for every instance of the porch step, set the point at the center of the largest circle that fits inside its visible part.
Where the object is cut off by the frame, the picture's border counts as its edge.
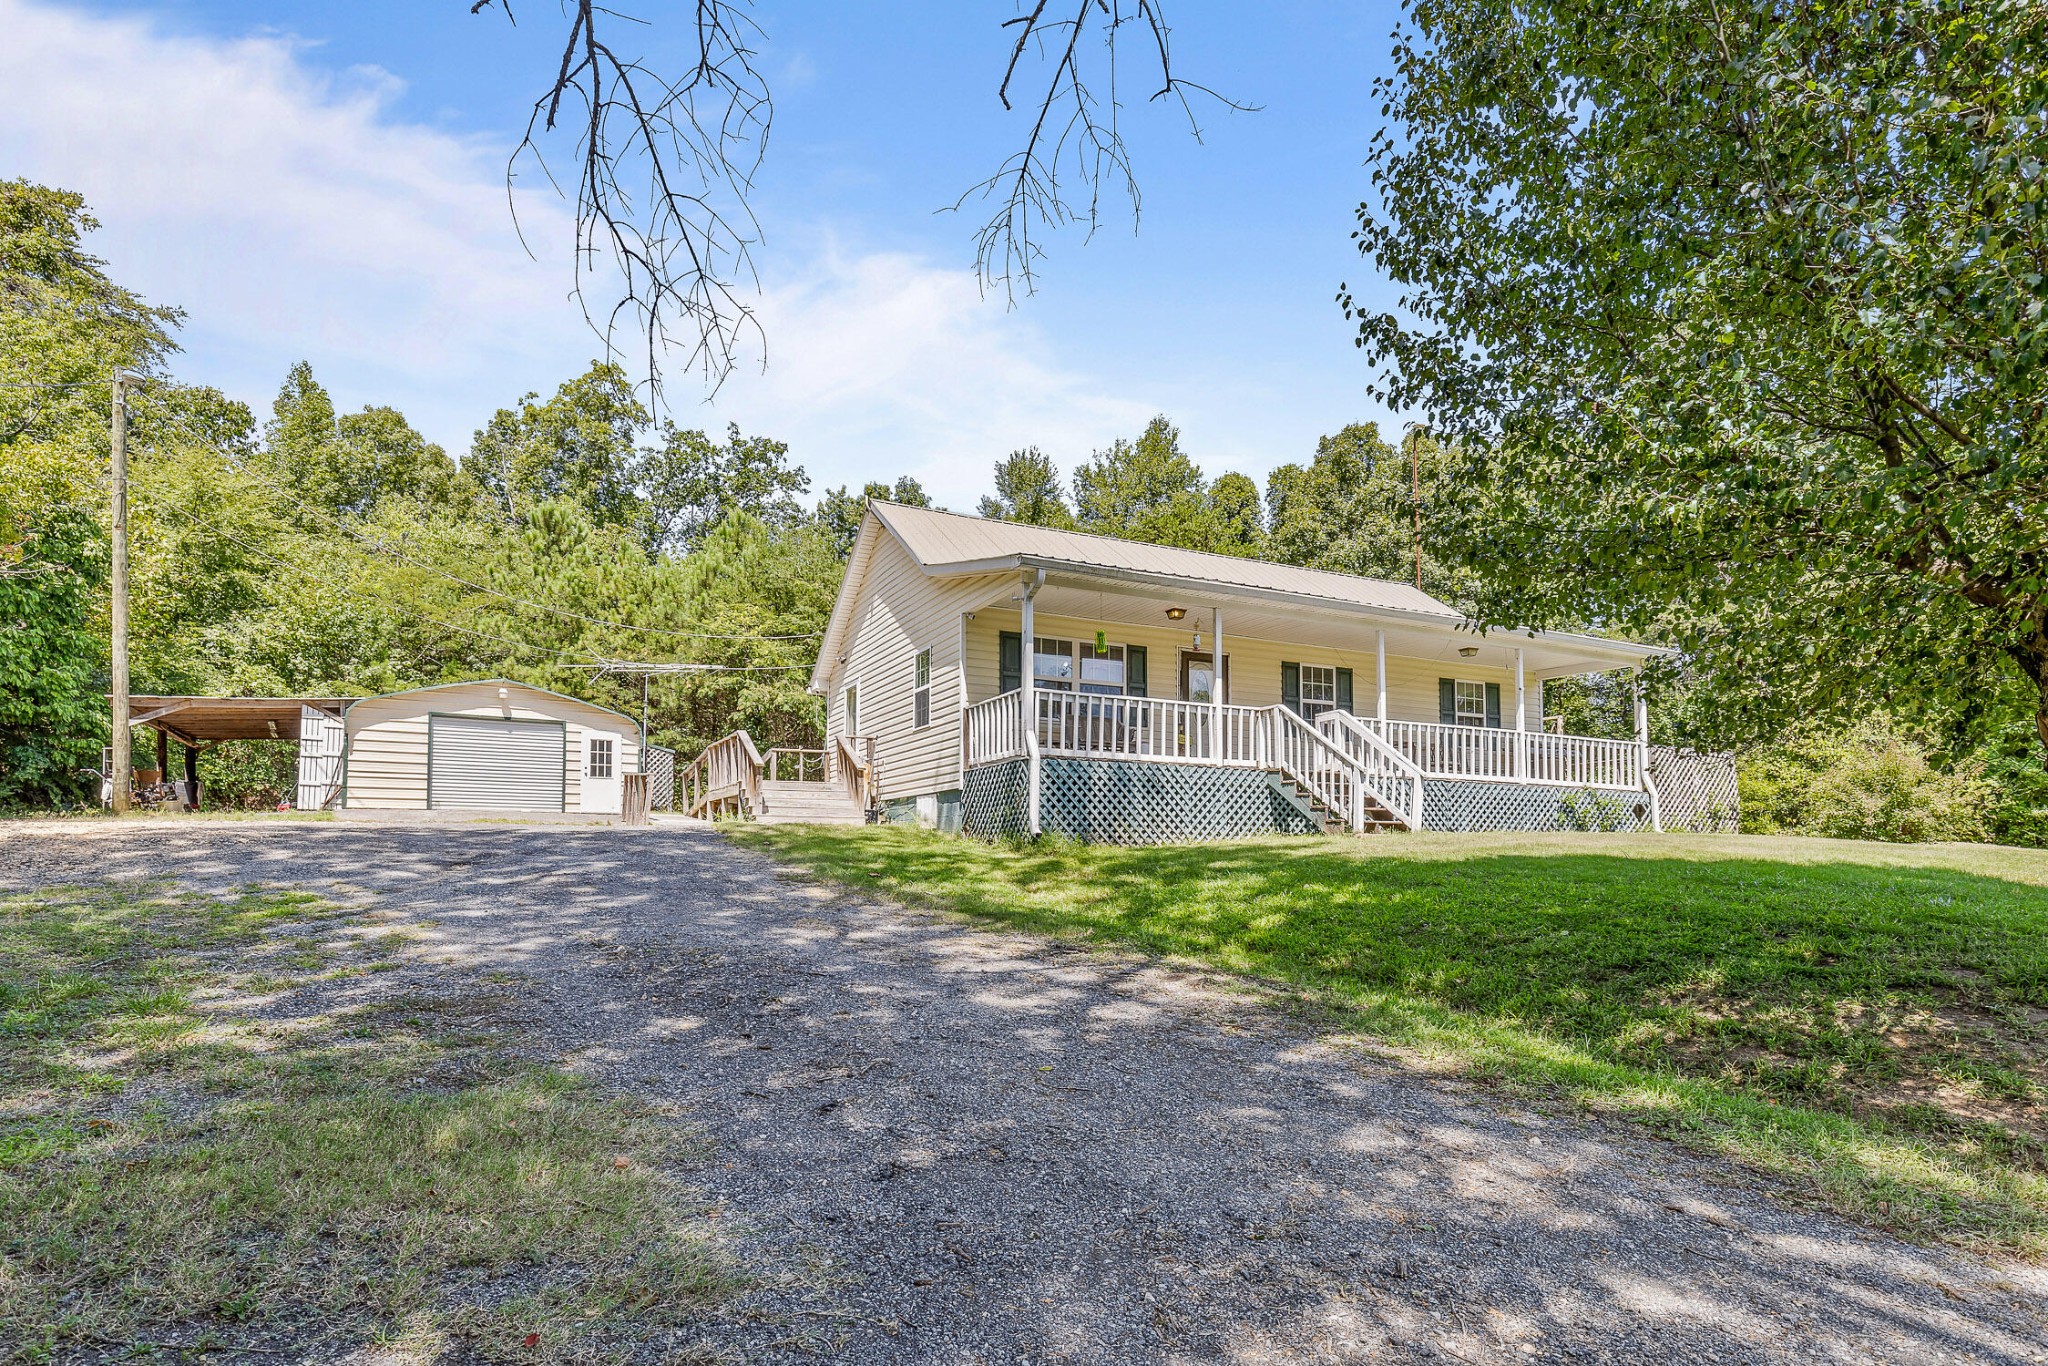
(795, 803)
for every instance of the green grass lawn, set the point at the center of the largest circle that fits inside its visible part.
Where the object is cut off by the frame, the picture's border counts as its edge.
(179, 1170)
(1867, 1022)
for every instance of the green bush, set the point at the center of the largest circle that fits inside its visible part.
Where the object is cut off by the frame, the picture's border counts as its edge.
(1872, 782)
(250, 774)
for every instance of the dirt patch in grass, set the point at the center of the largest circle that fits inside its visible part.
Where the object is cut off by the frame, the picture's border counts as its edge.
(1860, 1021)
(189, 1162)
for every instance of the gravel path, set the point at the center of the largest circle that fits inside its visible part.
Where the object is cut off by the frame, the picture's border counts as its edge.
(945, 1144)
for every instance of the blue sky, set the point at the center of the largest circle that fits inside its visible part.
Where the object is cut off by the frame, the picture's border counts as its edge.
(321, 181)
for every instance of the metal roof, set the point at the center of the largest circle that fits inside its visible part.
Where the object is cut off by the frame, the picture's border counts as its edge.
(948, 542)
(196, 719)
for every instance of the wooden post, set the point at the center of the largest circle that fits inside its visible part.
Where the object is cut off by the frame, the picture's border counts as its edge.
(1216, 686)
(120, 775)
(1383, 678)
(192, 776)
(633, 806)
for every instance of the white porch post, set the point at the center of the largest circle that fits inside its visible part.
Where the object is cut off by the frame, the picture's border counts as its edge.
(1521, 717)
(1643, 751)
(1026, 702)
(1216, 687)
(1382, 712)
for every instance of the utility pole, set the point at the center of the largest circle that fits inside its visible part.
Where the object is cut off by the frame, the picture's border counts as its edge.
(1415, 466)
(121, 778)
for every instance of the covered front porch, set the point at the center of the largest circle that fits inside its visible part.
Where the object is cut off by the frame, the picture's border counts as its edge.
(1315, 718)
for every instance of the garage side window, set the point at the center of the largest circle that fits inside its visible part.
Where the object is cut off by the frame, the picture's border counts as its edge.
(921, 698)
(600, 757)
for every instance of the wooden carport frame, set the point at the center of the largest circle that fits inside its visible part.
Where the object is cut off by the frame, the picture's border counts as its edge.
(198, 722)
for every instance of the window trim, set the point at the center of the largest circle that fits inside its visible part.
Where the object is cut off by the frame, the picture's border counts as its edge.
(1310, 710)
(1458, 712)
(921, 689)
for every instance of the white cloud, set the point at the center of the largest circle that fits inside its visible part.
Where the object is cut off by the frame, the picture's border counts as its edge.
(294, 215)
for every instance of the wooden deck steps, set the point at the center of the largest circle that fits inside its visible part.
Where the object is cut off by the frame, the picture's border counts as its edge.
(786, 802)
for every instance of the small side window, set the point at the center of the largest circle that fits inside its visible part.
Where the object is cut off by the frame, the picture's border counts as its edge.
(600, 757)
(921, 697)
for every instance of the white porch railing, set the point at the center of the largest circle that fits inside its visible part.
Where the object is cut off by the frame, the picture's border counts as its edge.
(1391, 755)
(1512, 756)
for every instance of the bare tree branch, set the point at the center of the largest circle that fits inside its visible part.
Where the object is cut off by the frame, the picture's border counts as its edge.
(664, 166)
(1073, 133)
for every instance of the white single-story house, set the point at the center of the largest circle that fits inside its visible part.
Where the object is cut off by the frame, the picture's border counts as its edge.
(1344, 703)
(492, 745)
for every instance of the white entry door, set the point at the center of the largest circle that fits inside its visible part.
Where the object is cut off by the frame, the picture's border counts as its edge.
(603, 792)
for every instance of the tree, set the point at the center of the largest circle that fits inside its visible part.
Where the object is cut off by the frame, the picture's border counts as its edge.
(1149, 490)
(1353, 509)
(1737, 313)
(691, 484)
(53, 719)
(1028, 491)
(840, 511)
(579, 445)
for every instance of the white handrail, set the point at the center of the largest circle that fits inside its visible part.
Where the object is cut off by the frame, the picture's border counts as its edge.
(1145, 728)
(1388, 774)
(995, 728)
(1319, 765)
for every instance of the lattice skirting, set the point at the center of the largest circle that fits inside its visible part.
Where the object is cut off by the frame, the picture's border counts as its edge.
(1452, 805)
(660, 767)
(1695, 790)
(1114, 801)
(993, 799)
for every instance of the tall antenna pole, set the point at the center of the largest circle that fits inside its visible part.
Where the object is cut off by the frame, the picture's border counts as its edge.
(120, 778)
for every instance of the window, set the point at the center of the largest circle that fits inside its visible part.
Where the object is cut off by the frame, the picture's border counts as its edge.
(1102, 673)
(1318, 689)
(921, 697)
(1052, 664)
(1471, 703)
(600, 758)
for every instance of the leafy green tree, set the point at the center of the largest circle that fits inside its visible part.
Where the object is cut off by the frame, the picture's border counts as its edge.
(1353, 509)
(1234, 503)
(579, 445)
(1149, 490)
(53, 720)
(839, 512)
(1028, 490)
(1738, 314)
(692, 484)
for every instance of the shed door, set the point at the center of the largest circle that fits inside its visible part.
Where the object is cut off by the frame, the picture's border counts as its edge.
(320, 744)
(481, 763)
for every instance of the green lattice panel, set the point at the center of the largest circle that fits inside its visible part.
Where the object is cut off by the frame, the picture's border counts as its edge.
(992, 800)
(1111, 801)
(1460, 806)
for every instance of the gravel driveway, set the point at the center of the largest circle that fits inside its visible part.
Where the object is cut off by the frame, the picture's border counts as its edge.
(939, 1143)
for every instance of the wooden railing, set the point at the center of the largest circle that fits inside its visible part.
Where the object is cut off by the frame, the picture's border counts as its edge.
(1388, 774)
(724, 780)
(853, 768)
(1511, 756)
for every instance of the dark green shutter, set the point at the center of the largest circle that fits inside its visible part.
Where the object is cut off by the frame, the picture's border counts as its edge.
(1290, 686)
(1343, 690)
(1447, 701)
(1010, 662)
(1134, 670)
(1493, 705)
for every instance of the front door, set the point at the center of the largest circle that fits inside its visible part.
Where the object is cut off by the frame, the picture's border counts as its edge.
(1198, 676)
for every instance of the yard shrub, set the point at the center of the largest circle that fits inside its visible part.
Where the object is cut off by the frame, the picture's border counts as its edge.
(1872, 782)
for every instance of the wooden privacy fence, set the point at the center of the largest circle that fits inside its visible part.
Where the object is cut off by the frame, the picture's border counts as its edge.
(633, 808)
(1695, 790)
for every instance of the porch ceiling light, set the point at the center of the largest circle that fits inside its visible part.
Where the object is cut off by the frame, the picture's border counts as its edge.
(1467, 651)
(1176, 613)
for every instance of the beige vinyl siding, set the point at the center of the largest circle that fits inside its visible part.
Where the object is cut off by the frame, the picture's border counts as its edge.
(387, 739)
(1254, 665)
(899, 612)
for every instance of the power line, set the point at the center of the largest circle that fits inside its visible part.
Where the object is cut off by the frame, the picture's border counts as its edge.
(382, 548)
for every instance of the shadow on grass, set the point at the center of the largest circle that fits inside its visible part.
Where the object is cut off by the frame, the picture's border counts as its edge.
(1875, 1028)
(185, 1156)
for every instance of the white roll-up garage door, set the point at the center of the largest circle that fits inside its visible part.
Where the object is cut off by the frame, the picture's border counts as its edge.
(478, 763)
